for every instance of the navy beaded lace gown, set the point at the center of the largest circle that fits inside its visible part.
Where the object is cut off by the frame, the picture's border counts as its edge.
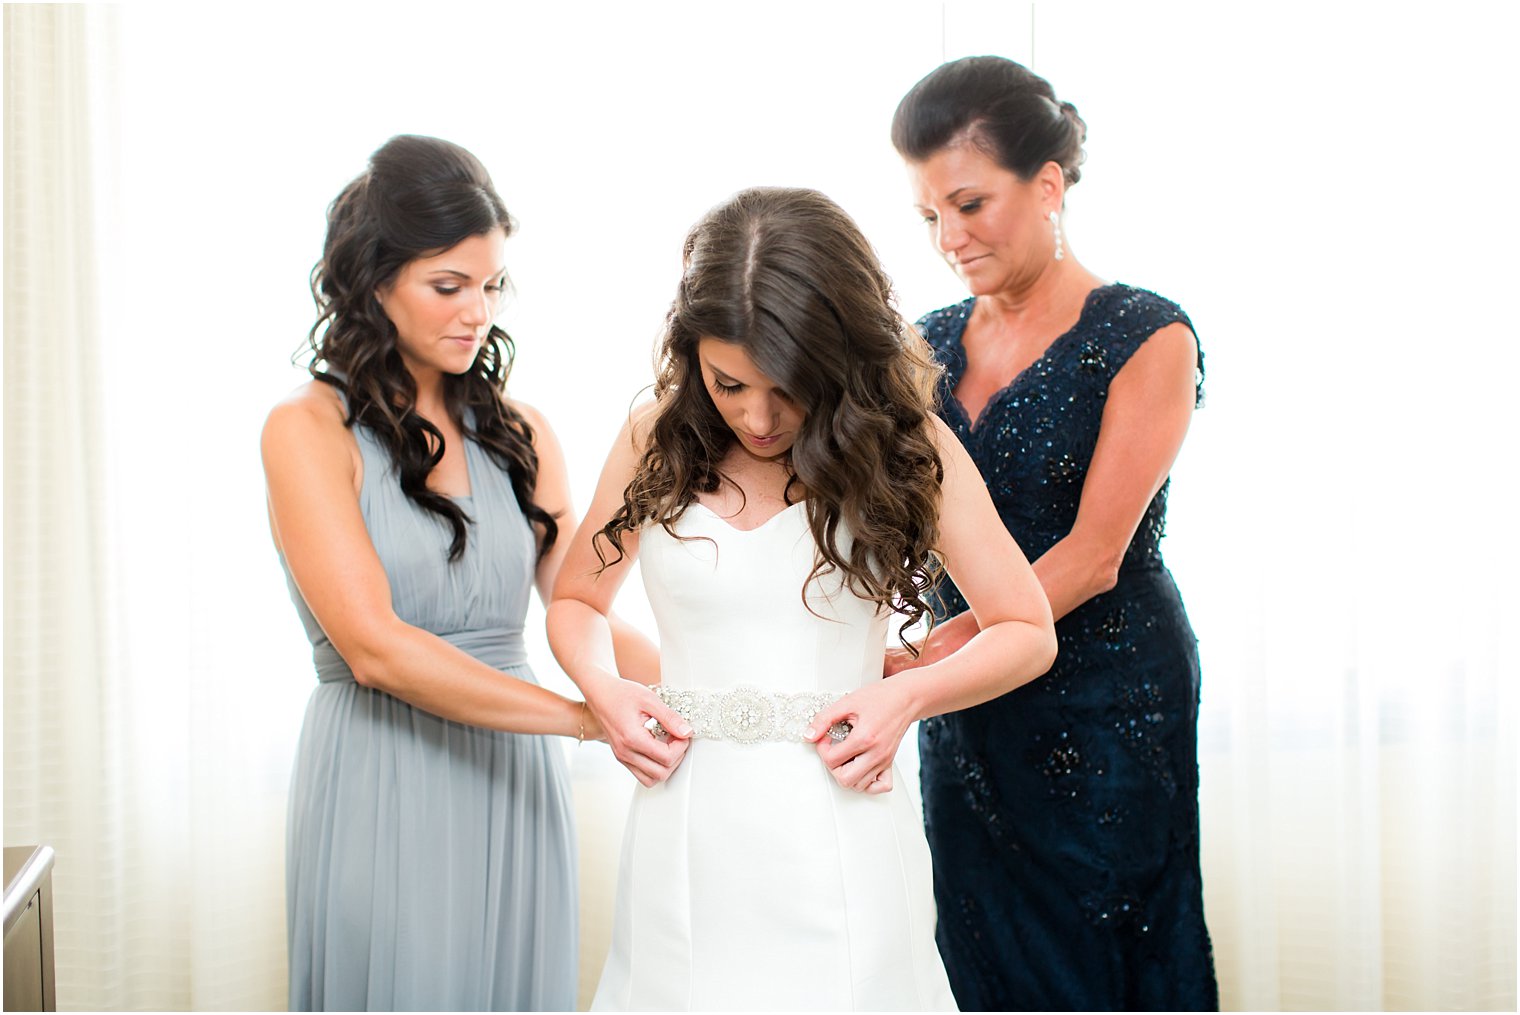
(1063, 816)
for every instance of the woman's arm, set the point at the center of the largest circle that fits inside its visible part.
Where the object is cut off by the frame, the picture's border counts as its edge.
(1150, 404)
(1015, 642)
(637, 657)
(311, 467)
(582, 636)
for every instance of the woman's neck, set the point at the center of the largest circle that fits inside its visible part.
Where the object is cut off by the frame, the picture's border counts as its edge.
(1051, 296)
(1052, 288)
(753, 475)
(430, 403)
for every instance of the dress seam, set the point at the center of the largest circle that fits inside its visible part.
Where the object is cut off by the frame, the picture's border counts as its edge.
(907, 890)
(691, 959)
(834, 789)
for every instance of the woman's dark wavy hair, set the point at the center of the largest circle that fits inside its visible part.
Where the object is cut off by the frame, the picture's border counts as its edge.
(420, 196)
(1002, 107)
(786, 275)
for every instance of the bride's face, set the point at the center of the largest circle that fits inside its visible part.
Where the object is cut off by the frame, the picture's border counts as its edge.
(763, 416)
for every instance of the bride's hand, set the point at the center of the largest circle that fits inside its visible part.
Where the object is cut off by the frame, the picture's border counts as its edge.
(623, 709)
(878, 716)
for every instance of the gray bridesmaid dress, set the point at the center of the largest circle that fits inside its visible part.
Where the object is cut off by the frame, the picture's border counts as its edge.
(430, 865)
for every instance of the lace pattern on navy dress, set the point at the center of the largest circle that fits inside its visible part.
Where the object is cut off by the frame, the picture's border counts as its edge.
(1063, 816)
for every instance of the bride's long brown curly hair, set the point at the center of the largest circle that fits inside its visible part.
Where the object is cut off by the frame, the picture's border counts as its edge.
(419, 196)
(787, 275)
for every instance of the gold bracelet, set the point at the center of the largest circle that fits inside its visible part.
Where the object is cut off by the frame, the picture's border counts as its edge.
(581, 736)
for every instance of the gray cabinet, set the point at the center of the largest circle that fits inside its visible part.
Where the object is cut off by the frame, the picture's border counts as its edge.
(29, 929)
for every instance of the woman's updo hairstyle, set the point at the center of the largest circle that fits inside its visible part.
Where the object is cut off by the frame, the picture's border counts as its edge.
(420, 196)
(1004, 108)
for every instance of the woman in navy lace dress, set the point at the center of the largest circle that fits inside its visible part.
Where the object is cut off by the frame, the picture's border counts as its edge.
(1063, 816)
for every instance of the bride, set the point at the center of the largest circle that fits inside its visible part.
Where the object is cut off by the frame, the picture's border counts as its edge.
(788, 492)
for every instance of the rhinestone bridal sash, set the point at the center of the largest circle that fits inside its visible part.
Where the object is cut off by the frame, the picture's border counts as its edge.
(747, 715)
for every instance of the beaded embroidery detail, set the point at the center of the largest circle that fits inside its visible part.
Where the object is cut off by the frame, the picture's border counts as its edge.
(746, 715)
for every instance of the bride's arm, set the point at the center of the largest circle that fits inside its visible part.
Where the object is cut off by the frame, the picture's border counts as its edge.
(582, 637)
(1016, 641)
(637, 657)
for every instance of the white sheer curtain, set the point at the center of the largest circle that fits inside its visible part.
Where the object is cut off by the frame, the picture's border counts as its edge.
(123, 748)
(76, 775)
(1322, 193)
(1326, 194)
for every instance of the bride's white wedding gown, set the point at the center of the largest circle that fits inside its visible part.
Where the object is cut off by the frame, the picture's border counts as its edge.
(750, 879)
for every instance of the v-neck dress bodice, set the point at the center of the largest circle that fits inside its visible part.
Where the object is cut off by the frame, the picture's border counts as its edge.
(1034, 438)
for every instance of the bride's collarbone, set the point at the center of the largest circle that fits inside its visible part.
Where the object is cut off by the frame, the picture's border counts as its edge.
(748, 497)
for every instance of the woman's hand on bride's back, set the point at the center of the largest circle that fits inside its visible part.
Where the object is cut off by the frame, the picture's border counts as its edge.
(878, 715)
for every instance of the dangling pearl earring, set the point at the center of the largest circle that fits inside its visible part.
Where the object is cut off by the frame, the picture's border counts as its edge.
(1055, 225)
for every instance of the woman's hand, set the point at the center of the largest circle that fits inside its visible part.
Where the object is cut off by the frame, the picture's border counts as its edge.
(622, 710)
(879, 715)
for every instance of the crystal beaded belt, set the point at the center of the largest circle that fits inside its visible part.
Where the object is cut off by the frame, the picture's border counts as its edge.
(745, 714)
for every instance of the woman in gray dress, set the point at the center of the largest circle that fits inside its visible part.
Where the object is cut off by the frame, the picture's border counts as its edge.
(430, 851)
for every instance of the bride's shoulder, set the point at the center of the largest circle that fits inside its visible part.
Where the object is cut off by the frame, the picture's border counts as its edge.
(639, 429)
(631, 442)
